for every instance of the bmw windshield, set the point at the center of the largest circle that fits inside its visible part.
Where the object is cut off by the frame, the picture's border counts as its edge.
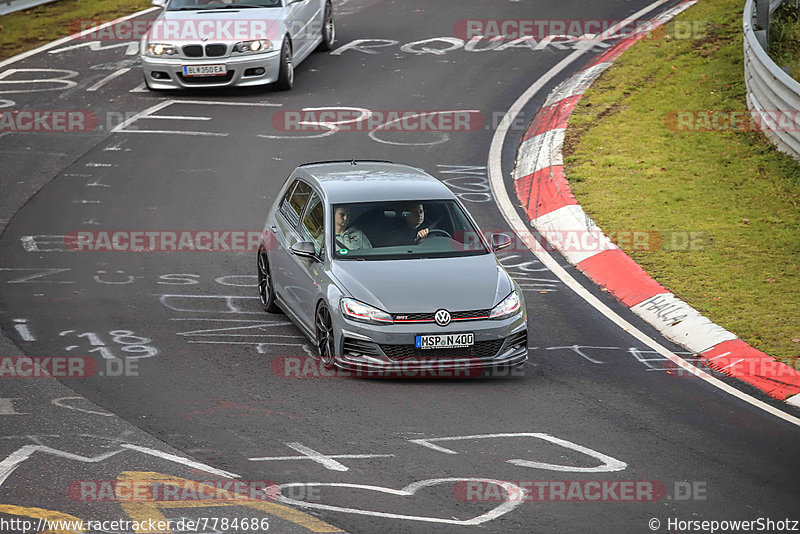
(403, 230)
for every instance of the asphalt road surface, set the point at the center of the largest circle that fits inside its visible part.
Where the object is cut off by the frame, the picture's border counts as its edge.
(593, 404)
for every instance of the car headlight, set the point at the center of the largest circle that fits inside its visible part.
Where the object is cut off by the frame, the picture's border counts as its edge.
(510, 305)
(358, 311)
(159, 49)
(249, 47)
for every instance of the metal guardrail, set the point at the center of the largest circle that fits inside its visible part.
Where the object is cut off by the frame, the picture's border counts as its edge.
(10, 6)
(771, 92)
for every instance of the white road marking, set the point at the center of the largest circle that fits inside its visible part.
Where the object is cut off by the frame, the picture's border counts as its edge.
(61, 403)
(43, 272)
(69, 38)
(577, 349)
(7, 406)
(179, 118)
(180, 460)
(131, 48)
(509, 213)
(65, 81)
(21, 326)
(609, 464)
(327, 460)
(107, 79)
(408, 491)
(15, 459)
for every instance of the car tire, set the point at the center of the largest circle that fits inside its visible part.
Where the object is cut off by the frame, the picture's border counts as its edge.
(266, 291)
(326, 345)
(286, 69)
(328, 29)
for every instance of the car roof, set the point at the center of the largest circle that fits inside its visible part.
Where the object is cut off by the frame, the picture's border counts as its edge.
(371, 181)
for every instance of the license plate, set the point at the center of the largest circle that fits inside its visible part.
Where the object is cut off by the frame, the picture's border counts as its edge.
(204, 70)
(445, 341)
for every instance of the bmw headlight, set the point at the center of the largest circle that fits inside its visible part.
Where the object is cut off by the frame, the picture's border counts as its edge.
(358, 311)
(510, 305)
(159, 49)
(250, 47)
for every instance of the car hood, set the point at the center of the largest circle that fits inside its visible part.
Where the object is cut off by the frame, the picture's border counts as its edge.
(219, 26)
(426, 285)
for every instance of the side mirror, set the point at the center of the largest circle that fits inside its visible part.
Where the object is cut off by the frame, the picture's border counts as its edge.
(500, 241)
(304, 249)
(159, 3)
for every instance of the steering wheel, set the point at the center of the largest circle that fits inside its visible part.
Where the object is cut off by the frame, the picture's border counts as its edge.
(439, 231)
(432, 231)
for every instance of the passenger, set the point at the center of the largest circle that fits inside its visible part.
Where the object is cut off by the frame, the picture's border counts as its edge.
(348, 236)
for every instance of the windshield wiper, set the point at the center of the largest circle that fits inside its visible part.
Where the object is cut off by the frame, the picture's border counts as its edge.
(237, 6)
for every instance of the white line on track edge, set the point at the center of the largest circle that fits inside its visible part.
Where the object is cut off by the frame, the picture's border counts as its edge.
(511, 216)
(53, 44)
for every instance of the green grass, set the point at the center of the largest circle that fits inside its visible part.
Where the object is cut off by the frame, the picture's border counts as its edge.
(784, 39)
(630, 171)
(24, 30)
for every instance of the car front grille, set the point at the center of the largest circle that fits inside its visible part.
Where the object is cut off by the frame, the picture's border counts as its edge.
(430, 317)
(216, 50)
(481, 349)
(193, 51)
(188, 80)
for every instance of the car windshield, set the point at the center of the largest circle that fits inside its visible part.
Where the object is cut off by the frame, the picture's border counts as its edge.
(403, 230)
(186, 5)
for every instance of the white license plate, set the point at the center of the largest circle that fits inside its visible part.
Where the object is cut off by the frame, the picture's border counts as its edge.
(445, 341)
(204, 70)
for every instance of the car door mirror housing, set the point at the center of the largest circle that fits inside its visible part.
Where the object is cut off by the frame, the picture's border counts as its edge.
(159, 3)
(304, 249)
(501, 241)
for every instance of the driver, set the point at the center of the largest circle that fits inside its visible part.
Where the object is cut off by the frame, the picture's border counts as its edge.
(413, 231)
(348, 236)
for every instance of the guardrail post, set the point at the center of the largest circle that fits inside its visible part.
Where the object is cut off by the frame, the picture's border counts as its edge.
(762, 22)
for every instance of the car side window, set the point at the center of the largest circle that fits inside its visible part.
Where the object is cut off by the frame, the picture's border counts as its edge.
(294, 201)
(313, 228)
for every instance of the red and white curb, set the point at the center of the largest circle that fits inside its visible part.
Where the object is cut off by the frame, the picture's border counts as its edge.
(541, 186)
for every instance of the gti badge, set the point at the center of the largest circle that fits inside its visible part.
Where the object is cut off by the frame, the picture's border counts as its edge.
(442, 317)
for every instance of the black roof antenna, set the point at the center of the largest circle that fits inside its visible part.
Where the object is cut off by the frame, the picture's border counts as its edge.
(353, 162)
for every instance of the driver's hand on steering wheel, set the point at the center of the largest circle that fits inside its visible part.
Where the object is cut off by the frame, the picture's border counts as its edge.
(422, 234)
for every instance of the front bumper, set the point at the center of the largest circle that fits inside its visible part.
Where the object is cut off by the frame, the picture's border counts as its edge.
(167, 73)
(389, 350)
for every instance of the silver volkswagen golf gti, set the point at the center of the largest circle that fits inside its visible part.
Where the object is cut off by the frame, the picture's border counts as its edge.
(383, 269)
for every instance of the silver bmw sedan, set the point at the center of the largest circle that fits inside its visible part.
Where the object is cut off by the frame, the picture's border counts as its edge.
(218, 43)
(383, 269)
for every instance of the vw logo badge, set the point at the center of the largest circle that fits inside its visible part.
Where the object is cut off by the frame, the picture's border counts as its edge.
(442, 317)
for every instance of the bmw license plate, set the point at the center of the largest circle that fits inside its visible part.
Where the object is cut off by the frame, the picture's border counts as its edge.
(204, 70)
(445, 341)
